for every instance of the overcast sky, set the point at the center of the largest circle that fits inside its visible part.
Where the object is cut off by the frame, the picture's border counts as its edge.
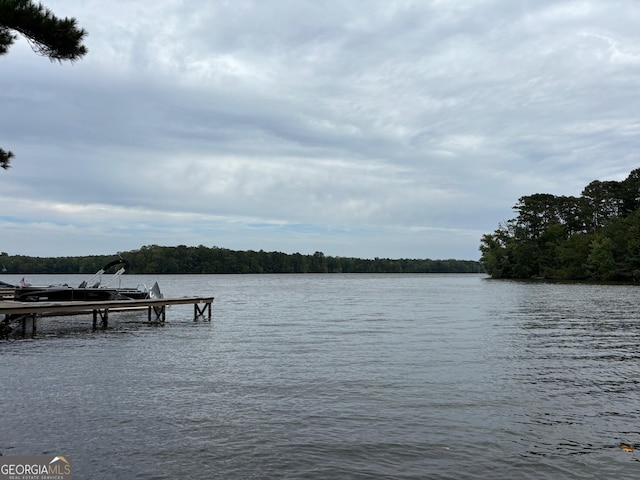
(357, 128)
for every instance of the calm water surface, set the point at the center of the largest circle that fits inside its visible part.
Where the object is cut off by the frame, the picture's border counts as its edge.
(337, 377)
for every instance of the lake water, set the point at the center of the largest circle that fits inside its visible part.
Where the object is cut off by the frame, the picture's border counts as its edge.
(337, 377)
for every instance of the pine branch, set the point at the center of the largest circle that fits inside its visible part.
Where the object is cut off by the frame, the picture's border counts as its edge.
(6, 39)
(58, 39)
(4, 158)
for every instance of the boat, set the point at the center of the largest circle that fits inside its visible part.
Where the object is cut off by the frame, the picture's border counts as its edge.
(63, 293)
(6, 290)
(89, 290)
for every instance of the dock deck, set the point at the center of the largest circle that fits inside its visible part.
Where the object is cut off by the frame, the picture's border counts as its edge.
(156, 308)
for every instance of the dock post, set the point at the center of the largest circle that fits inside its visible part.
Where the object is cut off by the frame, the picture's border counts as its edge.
(199, 312)
(105, 319)
(160, 313)
(104, 316)
(23, 320)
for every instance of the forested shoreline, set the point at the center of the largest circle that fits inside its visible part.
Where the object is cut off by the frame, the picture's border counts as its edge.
(154, 259)
(592, 237)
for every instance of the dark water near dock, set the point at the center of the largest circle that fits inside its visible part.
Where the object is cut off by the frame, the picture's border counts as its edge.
(338, 377)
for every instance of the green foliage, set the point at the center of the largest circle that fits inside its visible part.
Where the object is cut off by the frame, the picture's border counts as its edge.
(600, 262)
(154, 259)
(595, 236)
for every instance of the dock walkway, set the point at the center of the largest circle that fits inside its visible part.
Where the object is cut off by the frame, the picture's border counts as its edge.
(28, 312)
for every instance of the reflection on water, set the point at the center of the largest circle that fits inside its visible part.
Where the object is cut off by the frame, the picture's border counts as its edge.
(340, 376)
(576, 361)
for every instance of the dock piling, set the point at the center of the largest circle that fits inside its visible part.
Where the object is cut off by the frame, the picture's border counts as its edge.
(160, 312)
(104, 317)
(199, 312)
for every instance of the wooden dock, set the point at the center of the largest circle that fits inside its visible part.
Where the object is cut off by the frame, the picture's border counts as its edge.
(28, 312)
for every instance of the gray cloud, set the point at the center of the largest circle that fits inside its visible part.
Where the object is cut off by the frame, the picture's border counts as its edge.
(357, 128)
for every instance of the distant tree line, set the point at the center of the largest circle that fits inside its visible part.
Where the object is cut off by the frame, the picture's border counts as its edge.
(592, 237)
(154, 259)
